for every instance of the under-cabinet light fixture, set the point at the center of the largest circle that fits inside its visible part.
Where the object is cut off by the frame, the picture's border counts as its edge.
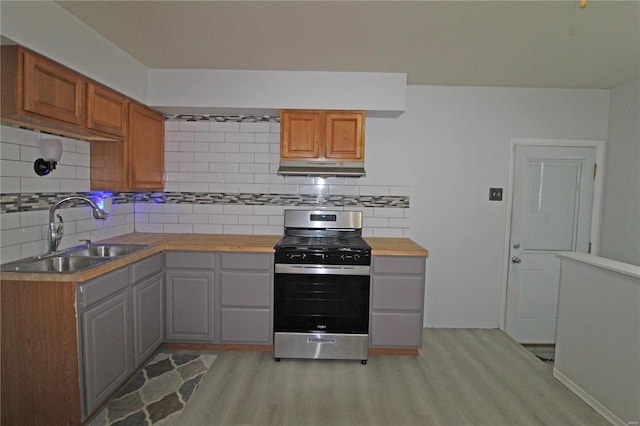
(50, 152)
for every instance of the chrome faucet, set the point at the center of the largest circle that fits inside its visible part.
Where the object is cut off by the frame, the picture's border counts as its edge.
(55, 233)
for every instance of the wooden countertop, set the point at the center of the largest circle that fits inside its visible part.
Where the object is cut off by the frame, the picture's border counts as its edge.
(205, 242)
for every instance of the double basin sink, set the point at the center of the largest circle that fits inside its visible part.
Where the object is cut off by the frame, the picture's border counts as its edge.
(74, 259)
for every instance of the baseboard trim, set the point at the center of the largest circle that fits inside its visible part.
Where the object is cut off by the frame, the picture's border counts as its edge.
(586, 397)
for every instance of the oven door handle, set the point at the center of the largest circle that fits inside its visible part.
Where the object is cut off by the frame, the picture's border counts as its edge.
(283, 268)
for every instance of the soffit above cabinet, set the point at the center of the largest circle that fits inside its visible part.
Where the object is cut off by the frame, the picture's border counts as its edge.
(266, 92)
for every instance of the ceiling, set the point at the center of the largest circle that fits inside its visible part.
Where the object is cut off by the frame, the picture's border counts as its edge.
(555, 44)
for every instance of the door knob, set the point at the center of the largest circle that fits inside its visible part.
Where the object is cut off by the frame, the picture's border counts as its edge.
(516, 259)
(516, 245)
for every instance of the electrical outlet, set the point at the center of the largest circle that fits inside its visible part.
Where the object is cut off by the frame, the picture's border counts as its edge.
(495, 194)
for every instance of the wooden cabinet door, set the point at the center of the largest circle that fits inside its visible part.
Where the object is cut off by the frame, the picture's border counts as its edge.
(107, 110)
(106, 347)
(148, 317)
(145, 148)
(344, 135)
(52, 91)
(300, 134)
(189, 301)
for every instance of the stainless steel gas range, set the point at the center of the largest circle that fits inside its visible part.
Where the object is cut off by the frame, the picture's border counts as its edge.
(321, 289)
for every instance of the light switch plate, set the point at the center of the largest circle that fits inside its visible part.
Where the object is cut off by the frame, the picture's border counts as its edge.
(495, 194)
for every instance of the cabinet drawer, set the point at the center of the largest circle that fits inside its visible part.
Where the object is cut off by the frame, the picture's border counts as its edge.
(101, 287)
(245, 288)
(398, 265)
(396, 329)
(397, 292)
(245, 261)
(145, 267)
(246, 325)
(190, 259)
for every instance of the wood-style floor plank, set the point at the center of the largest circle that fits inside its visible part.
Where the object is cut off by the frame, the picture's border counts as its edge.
(461, 377)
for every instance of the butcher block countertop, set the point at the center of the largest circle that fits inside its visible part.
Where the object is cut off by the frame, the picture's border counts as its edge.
(204, 242)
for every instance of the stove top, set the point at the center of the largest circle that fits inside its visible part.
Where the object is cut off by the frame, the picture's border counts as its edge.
(317, 243)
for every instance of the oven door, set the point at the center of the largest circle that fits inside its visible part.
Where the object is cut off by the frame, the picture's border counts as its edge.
(321, 299)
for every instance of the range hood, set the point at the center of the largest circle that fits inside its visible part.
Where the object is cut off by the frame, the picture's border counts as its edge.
(322, 168)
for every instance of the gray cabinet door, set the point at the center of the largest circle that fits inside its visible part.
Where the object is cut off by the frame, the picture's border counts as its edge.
(189, 301)
(246, 294)
(106, 331)
(148, 317)
(397, 300)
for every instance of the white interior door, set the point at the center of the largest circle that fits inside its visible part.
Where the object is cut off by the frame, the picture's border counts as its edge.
(551, 212)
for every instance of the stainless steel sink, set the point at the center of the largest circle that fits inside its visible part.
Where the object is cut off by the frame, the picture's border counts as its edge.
(105, 250)
(74, 259)
(61, 264)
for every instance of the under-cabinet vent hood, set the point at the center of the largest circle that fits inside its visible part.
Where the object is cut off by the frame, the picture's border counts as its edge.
(322, 168)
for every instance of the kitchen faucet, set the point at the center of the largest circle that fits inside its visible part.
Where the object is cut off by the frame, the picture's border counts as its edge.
(55, 233)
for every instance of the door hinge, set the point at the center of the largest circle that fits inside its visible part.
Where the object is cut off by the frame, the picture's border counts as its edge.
(589, 250)
(595, 169)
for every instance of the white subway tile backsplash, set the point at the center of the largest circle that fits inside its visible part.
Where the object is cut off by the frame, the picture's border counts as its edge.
(374, 190)
(275, 127)
(268, 210)
(171, 146)
(239, 137)
(224, 167)
(208, 177)
(238, 178)
(207, 209)
(238, 229)
(272, 159)
(194, 167)
(178, 228)
(224, 127)
(163, 218)
(194, 147)
(389, 212)
(264, 127)
(283, 189)
(28, 153)
(253, 188)
(149, 227)
(193, 187)
(223, 219)
(267, 230)
(224, 187)
(399, 223)
(14, 220)
(239, 157)
(224, 147)
(388, 232)
(194, 126)
(40, 184)
(171, 126)
(209, 137)
(255, 148)
(253, 220)
(9, 151)
(237, 209)
(16, 168)
(253, 168)
(20, 136)
(208, 229)
(179, 136)
(20, 235)
(176, 157)
(178, 208)
(193, 218)
(268, 178)
(9, 185)
(270, 138)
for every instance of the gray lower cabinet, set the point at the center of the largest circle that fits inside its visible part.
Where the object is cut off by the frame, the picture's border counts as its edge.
(106, 336)
(246, 314)
(190, 298)
(397, 300)
(121, 318)
(147, 296)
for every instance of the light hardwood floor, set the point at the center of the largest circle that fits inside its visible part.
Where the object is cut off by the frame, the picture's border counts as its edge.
(462, 377)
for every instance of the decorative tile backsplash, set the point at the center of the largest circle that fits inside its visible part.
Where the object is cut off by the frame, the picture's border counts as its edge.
(220, 177)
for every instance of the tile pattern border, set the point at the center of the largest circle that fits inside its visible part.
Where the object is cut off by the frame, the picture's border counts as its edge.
(12, 203)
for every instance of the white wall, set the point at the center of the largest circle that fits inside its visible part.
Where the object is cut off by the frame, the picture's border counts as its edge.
(620, 234)
(453, 143)
(45, 27)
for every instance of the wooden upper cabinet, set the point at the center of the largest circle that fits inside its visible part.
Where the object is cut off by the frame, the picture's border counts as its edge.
(41, 94)
(344, 136)
(107, 110)
(300, 133)
(321, 135)
(137, 162)
(52, 90)
(145, 148)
